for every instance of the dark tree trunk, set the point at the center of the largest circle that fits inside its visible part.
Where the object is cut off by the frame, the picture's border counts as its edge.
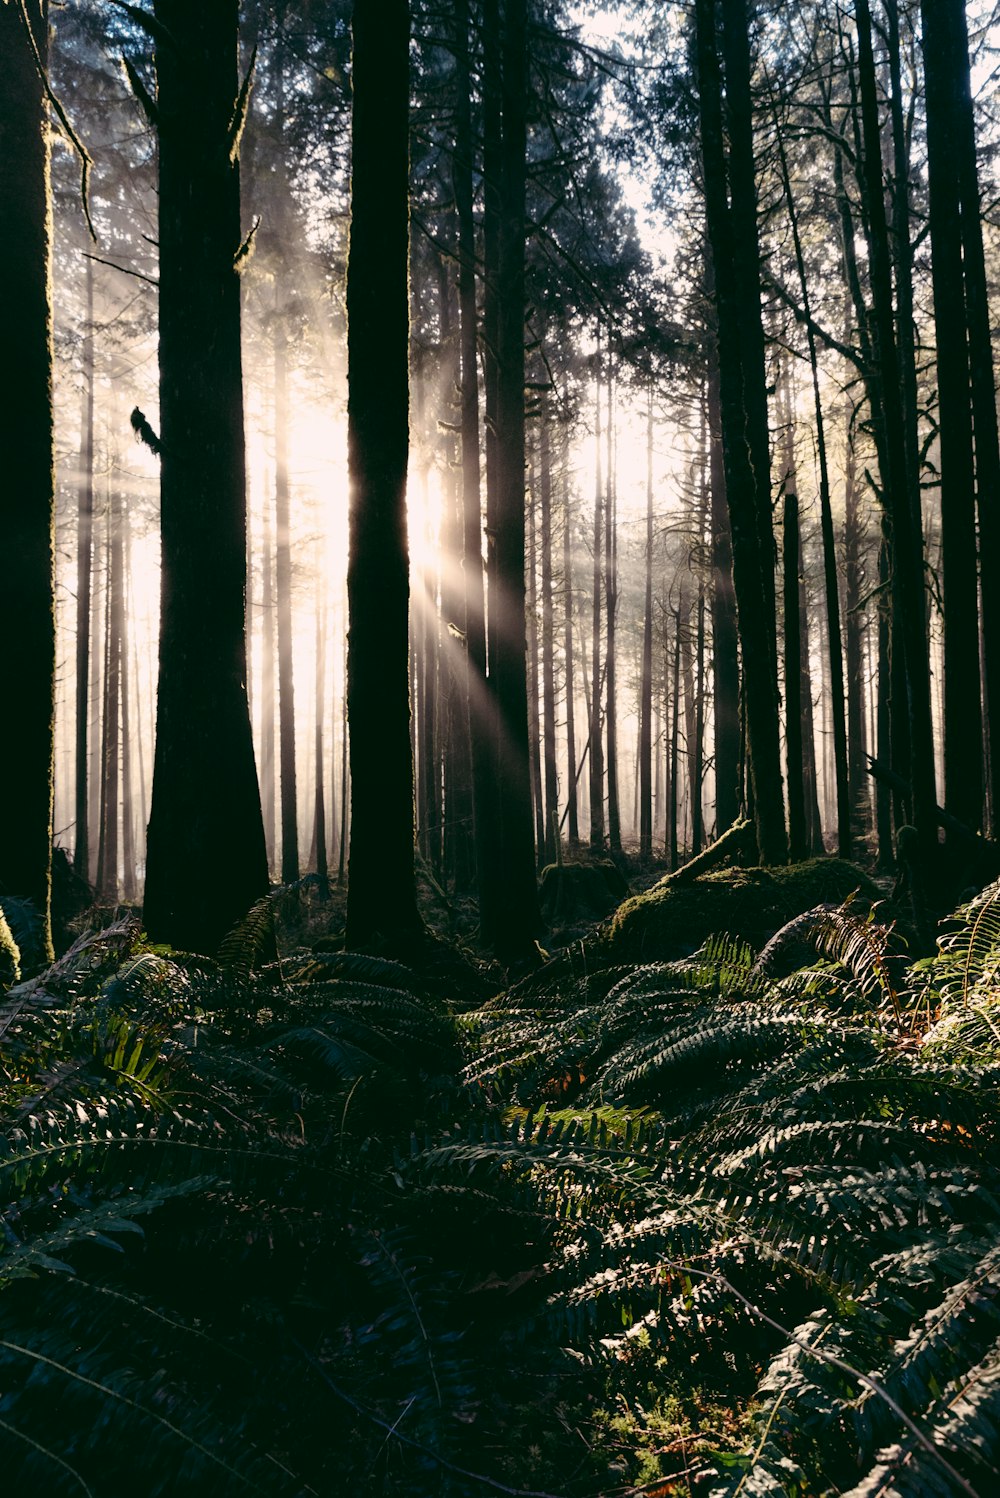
(675, 735)
(534, 722)
(909, 612)
(107, 862)
(381, 897)
(725, 642)
(283, 591)
(793, 681)
(732, 229)
(472, 519)
(830, 576)
(205, 798)
(548, 647)
(611, 648)
(646, 671)
(596, 740)
(129, 875)
(857, 742)
(320, 855)
(951, 16)
(572, 803)
(268, 701)
(27, 585)
(945, 57)
(84, 563)
(515, 921)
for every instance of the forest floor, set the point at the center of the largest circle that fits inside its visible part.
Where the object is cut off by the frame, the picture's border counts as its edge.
(707, 1204)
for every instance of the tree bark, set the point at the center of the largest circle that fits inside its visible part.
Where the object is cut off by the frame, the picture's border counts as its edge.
(515, 921)
(735, 259)
(205, 797)
(27, 582)
(646, 670)
(381, 897)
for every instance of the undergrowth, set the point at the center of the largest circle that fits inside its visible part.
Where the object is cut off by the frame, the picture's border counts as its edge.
(724, 1226)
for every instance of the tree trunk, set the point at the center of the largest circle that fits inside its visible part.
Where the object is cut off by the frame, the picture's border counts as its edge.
(646, 670)
(381, 896)
(84, 563)
(951, 17)
(945, 57)
(611, 648)
(909, 612)
(205, 798)
(27, 584)
(548, 646)
(472, 519)
(793, 681)
(732, 230)
(515, 921)
(572, 802)
(596, 741)
(283, 581)
(725, 643)
(321, 858)
(129, 873)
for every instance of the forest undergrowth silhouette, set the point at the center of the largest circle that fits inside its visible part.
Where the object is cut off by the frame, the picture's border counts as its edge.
(726, 1224)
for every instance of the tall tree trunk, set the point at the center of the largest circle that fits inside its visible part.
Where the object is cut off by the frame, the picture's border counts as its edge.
(283, 581)
(793, 680)
(129, 882)
(515, 922)
(830, 576)
(534, 723)
(675, 735)
(320, 860)
(548, 645)
(950, 16)
(596, 741)
(697, 752)
(945, 58)
(646, 670)
(381, 895)
(857, 741)
(572, 801)
(27, 583)
(909, 612)
(725, 643)
(732, 232)
(84, 563)
(268, 700)
(205, 797)
(611, 609)
(472, 519)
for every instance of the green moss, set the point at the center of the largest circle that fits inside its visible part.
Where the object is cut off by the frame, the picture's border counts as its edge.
(673, 919)
(10, 957)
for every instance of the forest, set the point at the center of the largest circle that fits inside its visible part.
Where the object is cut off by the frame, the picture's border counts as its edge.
(500, 763)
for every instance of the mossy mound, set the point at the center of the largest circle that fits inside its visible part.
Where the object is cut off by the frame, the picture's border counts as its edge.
(10, 957)
(674, 917)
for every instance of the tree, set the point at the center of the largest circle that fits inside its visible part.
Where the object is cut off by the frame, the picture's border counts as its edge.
(732, 233)
(205, 799)
(381, 885)
(27, 504)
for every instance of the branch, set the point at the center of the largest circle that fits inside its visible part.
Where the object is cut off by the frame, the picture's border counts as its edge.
(150, 280)
(785, 296)
(86, 160)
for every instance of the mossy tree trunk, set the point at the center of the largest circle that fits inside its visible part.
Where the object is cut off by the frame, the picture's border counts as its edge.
(205, 813)
(381, 900)
(27, 608)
